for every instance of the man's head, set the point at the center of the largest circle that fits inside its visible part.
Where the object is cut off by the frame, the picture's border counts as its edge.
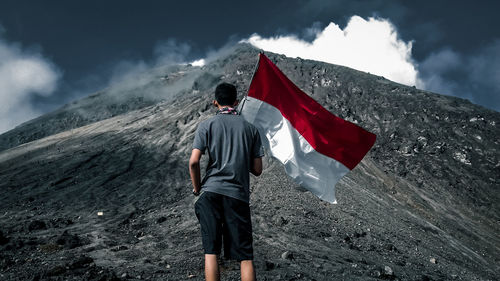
(225, 95)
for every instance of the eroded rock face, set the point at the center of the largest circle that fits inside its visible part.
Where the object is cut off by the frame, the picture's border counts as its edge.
(428, 190)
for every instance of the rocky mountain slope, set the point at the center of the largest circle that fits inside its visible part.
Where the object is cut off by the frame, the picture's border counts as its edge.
(422, 205)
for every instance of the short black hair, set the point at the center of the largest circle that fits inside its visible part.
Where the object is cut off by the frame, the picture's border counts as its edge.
(225, 94)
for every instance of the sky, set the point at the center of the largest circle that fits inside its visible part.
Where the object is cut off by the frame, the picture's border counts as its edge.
(54, 52)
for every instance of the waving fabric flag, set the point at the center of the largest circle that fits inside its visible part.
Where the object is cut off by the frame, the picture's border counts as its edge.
(316, 147)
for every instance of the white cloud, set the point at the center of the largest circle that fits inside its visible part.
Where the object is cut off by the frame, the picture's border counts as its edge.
(22, 75)
(485, 66)
(436, 66)
(130, 75)
(472, 76)
(371, 45)
(200, 62)
(171, 51)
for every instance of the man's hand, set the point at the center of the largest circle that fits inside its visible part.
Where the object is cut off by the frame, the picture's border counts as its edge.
(256, 168)
(194, 170)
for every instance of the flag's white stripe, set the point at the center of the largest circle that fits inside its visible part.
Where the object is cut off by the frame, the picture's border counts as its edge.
(309, 168)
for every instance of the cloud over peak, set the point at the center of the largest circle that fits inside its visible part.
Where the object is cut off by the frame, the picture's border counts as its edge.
(473, 76)
(22, 75)
(371, 45)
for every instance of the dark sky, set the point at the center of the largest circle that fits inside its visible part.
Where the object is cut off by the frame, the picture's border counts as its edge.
(85, 40)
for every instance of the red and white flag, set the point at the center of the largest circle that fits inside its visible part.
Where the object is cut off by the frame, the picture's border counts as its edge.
(316, 147)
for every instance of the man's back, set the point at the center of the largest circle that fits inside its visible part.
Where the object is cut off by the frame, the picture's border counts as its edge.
(232, 144)
(234, 150)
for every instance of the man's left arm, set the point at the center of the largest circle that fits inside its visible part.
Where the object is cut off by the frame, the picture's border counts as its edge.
(194, 170)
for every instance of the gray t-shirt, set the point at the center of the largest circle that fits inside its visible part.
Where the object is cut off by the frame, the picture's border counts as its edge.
(232, 144)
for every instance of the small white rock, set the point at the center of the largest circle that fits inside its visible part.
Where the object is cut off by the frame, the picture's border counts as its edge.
(287, 255)
(462, 157)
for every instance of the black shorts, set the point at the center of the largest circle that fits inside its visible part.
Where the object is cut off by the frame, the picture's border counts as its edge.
(225, 217)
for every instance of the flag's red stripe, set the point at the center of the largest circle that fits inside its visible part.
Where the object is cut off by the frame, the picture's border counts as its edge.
(326, 133)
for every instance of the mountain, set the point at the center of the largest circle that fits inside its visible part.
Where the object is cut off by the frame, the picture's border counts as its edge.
(422, 205)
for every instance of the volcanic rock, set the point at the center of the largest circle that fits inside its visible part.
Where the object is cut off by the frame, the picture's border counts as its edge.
(3, 239)
(161, 219)
(81, 262)
(69, 241)
(37, 225)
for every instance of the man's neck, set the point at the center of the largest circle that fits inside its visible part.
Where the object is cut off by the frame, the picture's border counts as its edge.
(227, 110)
(225, 106)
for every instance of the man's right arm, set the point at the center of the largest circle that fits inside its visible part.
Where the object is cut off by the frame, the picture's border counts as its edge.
(194, 169)
(256, 166)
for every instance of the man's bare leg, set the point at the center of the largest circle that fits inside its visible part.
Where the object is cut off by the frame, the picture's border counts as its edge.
(211, 268)
(247, 270)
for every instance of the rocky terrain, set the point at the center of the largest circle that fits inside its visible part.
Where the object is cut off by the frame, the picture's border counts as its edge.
(99, 189)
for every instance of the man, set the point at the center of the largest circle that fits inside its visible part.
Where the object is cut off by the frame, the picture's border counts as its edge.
(234, 149)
